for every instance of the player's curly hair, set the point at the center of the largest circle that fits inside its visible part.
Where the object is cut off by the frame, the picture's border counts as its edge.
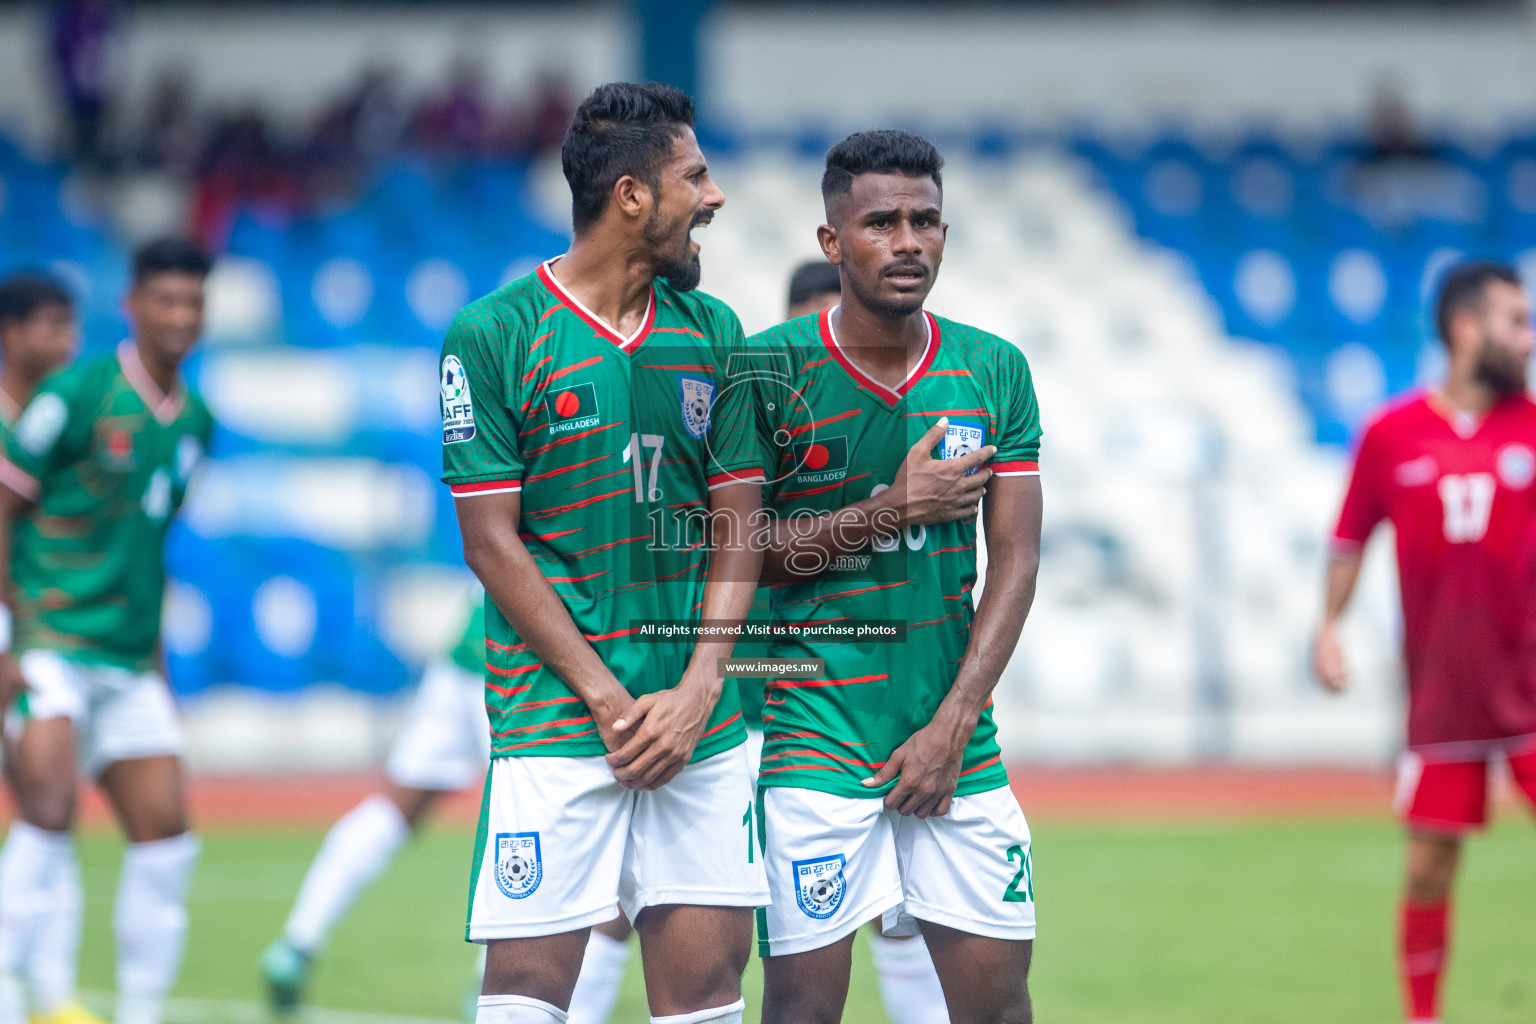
(882, 151)
(1465, 286)
(622, 128)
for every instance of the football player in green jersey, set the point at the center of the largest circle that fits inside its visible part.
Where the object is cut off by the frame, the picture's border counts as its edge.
(882, 790)
(606, 474)
(38, 334)
(814, 286)
(442, 749)
(96, 466)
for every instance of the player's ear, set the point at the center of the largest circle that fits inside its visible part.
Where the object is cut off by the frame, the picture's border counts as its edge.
(826, 237)
(631, 196)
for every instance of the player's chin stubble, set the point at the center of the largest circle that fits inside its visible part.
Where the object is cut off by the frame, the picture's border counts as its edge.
(1501, 371)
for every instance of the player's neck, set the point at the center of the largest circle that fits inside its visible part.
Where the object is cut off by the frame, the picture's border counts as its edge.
(1462, 393)
(164, 375)
(857, 326)
(612, 282)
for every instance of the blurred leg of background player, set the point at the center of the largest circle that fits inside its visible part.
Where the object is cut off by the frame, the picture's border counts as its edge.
(38, 334)
(443, 749)
(150, 917)
(909, 985)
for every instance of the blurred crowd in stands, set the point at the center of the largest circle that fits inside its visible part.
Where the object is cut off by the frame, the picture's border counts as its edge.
(229, 158)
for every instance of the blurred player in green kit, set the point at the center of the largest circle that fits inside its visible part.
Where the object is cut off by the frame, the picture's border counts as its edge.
(93, 471)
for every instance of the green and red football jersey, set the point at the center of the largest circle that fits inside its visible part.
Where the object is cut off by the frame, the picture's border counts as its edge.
(614, 444)
(843, 437)
(106, 458)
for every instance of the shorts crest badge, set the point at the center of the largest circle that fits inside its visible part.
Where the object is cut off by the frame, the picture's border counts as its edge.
(698, 396)
(820, 885)
(519, 865)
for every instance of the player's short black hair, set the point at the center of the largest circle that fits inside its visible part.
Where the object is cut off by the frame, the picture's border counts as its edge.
(169, 256)
(813, 278)
(23, 294)
(622, 128)
(882, 151)
(1465, 286)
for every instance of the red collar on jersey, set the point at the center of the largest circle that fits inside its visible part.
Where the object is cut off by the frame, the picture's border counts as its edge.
(882, 391)
(165, 408)
(592, 320)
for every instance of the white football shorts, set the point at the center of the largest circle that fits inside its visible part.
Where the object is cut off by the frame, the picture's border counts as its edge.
(119, 714)
(834, 862)
(561, 842)
(446, 740)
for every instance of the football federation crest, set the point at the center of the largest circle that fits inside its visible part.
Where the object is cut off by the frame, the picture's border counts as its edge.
(698, 396)
(458, 403)
(820, 885)
(572, 408)
(960, 439)
(1517, 466)
(519, 865)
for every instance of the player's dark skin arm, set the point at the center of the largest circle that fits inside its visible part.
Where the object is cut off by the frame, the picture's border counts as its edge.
(1327, 650)
(497, 555)
(928, 764)
(12, 507)
(926, 490)
(671, 721)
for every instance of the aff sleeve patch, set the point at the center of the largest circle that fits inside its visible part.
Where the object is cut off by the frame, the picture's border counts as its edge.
(458, 403)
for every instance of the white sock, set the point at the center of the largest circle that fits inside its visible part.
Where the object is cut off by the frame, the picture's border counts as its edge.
(356, 851)
(716, 1015)
(517, 1010)
(150, 920)
(909, 986)
(54, 961)
(29, 862)
(597, 987)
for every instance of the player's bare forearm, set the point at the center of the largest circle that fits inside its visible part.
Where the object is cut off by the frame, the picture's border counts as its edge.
(928, 764)
(670, 722)
(1327, 648)
(497, 555)
(12, 507)
(1343, 574)
(802, 547)
(1011, 517)
(925, 490)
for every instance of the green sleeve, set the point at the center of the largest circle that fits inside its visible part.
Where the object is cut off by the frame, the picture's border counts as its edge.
(51, 432)
(733, 428)
(480, 427)
(1018, 422)
(469, 653)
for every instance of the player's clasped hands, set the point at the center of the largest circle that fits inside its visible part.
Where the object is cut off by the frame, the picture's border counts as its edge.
(657, 735)
(934, 490)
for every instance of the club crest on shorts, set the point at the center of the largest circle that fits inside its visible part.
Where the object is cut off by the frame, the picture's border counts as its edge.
(519, 865)
(960, 439)
(698, 396)
(820, 885)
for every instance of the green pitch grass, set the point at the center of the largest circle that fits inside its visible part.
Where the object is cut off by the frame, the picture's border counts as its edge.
(1141, 924)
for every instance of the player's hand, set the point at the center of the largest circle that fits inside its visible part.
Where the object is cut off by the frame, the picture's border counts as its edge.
(926, 768)
(1328, 659)
(660, 732)
(12, 682)
(608, 712)
(929, 490)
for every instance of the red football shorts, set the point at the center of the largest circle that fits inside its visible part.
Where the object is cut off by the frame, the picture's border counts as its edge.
(1452, 796)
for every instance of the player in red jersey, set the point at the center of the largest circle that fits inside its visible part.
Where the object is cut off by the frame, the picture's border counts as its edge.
(1453, 469)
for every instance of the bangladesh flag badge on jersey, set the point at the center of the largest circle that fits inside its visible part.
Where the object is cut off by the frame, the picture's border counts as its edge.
(823, 460)
(572, 408)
